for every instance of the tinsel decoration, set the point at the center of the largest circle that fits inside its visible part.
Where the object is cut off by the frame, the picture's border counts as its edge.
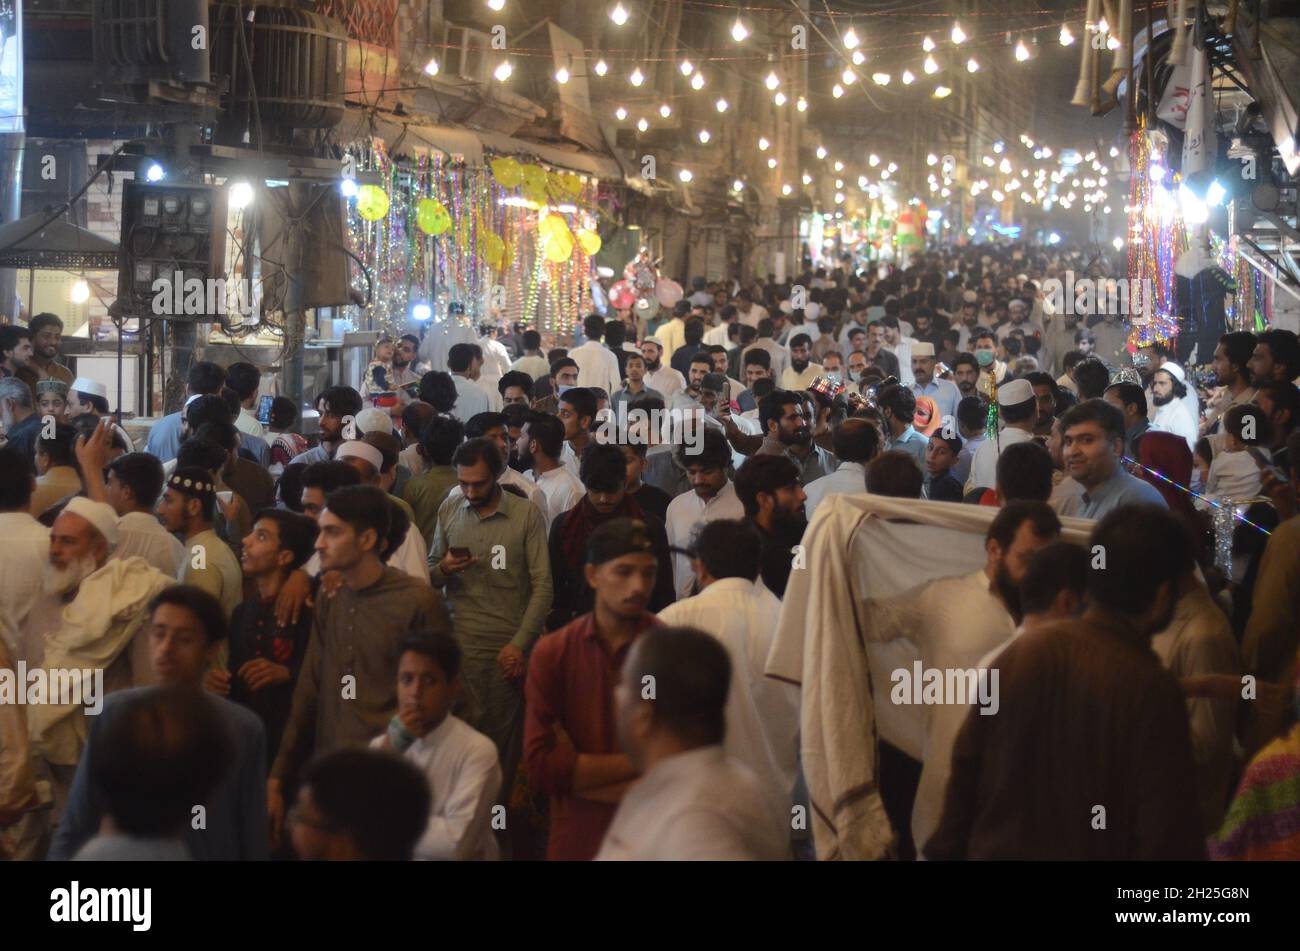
(1224, 523)
(1250, 305)
(1156, 237)
(991, 424)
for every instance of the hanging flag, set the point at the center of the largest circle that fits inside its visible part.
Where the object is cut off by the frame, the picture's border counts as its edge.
(1199, 144)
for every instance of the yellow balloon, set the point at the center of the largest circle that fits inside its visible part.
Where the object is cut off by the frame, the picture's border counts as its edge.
(534, 177)
(432, 217)
(554, 226)
(559, 251)
(589, 241)
(494, 250)
(555, 183)
(372, 202)
(507, 172)
(572, 184)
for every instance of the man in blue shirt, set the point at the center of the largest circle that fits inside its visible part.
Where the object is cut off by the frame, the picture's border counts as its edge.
(944, 392)
(898, 405)
(1093, 446)
(204, 379)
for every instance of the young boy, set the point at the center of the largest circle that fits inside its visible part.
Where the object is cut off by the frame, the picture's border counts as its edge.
(459, 762)
(940, 456)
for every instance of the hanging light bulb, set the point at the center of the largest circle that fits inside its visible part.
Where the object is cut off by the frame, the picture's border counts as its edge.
(958, 34)
(772, 81)
(928, 45)
(821, 153)
(787, 188)
(637, 77)
(880, 79)
(601, 67)
(80, 292)
(839, 166)
(931, 66)
(837, 90)
(1022, 51)
(687, 67)
(739, 32)
(972, 65)
(620, 114)
(942, 92)
(721, 105)
(932, 159)
(665, 110)
(907, 77)
(705, 136)
(503, 72)
(858, 57)
(873, 159)
(848, 77)
(642, 125)
(562, 75)
(1066, 37)
(431, 67)
(241, 195)
(737, 186)
(686, 175)
(780, 99)
(619, 14)
(801, 104)
(851, 39)
(763, 145)
(771, 163)
(697, 81)
(807, 179)
(839, 183)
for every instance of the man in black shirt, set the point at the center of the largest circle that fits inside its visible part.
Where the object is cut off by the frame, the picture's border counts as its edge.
(768, 487)
(264, 655)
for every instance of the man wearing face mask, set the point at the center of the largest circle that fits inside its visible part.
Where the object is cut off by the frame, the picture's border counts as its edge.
(992, 370)
(857, 365)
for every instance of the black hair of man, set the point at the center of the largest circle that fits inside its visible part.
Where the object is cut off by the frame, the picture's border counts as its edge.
(757, 357)
(593, 327)
(583, 402)
(561, 364)
(380, 801)
(704, 357)
(615, 334)
(729, 548)
(199, 453)
(1131, 395)
(603, 468)
(41, 321)
(1239, 345)
(548, 432)
(232, 401)
(745, 334)
(772, 407)
(289, 486)
(206, 409)
(515, 415)
(1145, 546)
(800, 340)
(341, 401)
(58, 447)
(1092, 378)
(972, 412)
(1025, 473)
(532, 340)
(438, 390)
(297, 534)
(461, 356)
(516, 378)
(284, 413)
(330, 476)
(1056, 567)
(164, 751)
(899, 400)
(477, 426)
(762, 387)
(855, 440)
(196, 476)
(11, 337)
(142, 474)
(363, 508)
(693, 673)
(223, 434)
(761, 474)
(966, 358)
(556, 353)
(766, 328)
(1098, 411)
(895, 473)
(415, 416)
(204, 606)
(714, 451)
(693, 331)
(440, 647)
(1072, 359)
(244, 378)
(15, 481)
(1285, 398)
(204, 379)
(473, 451)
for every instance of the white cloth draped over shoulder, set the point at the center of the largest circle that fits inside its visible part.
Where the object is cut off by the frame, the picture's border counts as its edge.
(858, 547)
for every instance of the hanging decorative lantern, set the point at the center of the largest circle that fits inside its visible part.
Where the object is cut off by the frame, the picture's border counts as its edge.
(372, 202)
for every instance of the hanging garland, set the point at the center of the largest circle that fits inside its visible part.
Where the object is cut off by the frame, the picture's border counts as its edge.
(1156, 237)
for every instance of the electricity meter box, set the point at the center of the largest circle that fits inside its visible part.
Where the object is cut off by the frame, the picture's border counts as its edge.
(171, 233)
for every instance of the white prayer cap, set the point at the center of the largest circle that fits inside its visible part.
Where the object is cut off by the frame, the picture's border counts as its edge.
(374, 420)
(604, 272)
(786, 307)
(969, 297)
(1014, 393)
(1174, 370)
(361, 450)
(654, 340)
(100, 516)
(813, 310)
(84, 384)
(923, 349)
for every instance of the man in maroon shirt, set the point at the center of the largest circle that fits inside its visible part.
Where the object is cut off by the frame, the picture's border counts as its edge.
(571, 747)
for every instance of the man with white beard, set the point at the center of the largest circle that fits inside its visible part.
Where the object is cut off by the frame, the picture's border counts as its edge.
(103, 604)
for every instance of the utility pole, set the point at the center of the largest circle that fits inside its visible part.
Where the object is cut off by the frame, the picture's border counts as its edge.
(295, 318)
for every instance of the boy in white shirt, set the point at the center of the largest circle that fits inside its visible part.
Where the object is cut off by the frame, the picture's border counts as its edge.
(459, 762)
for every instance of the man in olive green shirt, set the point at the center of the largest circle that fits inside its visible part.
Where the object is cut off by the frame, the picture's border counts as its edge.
(489, 553)
(347, 688)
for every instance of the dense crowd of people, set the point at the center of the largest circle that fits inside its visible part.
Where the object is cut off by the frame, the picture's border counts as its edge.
(516, 600)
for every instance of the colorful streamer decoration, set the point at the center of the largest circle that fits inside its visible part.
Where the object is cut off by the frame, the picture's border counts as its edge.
(1156, 237)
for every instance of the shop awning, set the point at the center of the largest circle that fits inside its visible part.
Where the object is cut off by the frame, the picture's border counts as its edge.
(57, 245)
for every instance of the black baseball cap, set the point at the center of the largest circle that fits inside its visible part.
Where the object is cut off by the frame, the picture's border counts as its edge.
(616, 538)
